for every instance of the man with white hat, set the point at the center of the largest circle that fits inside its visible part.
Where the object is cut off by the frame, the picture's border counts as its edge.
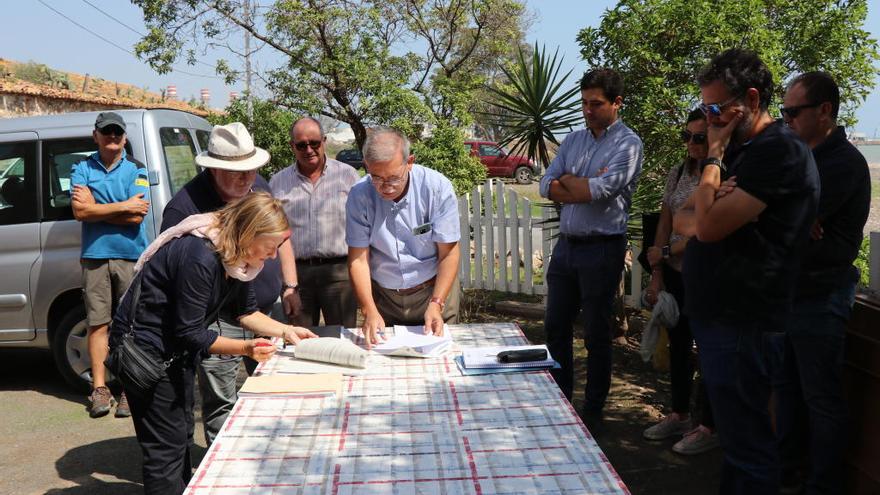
(230, 162)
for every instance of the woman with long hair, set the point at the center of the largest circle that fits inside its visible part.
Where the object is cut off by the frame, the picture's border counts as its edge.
(183, 280)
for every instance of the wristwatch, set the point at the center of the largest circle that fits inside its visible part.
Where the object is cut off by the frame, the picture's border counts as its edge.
(439, 302)
(286, 286)
(666, 251)
(712, 161)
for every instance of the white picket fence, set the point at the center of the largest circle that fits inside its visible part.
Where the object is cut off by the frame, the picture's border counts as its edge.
(508, 249)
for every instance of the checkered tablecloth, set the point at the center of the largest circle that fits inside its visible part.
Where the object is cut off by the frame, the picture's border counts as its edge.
(412, 426)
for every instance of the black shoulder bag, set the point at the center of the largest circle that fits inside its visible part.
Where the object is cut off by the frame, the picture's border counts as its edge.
(132, 365)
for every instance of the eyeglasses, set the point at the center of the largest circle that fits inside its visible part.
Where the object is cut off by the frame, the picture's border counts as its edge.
(112, 130)
(380, 182)
(697, 138)
(715, 109)
(302, 145)
(793, 111)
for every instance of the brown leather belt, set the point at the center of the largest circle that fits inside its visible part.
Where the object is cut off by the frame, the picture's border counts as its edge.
(321, 261)
(413, 289)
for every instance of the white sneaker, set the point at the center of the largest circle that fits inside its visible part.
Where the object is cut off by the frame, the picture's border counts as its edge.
(697, 441)
(670, 426)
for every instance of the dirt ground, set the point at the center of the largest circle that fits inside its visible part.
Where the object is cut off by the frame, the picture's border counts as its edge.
(48, 444)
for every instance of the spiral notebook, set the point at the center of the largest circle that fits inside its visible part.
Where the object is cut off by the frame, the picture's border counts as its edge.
(487, 357)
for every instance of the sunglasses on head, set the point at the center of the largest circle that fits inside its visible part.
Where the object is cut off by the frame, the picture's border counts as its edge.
(716, 109)
(302, 145)
(795, 110)
(697, 137)
(112, 130)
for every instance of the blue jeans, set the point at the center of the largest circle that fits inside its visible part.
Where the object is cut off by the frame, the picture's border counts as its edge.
(583, 276)
(738, 362)
(811, 408)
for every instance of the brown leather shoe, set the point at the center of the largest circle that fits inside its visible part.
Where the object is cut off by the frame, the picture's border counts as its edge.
(122, 410)
(101, 401)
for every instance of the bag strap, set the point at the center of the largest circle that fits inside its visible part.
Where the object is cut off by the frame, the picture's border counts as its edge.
(136, 296)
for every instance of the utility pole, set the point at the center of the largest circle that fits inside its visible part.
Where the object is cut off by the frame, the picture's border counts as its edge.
(248, 74)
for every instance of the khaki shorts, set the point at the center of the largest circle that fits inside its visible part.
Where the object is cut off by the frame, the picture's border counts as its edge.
(104, 282)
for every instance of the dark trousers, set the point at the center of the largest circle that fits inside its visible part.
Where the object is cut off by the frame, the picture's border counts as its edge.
(681, 357)
(583, 276)
(738, 363)
(326, 289)
(163, 422)
(811, 408)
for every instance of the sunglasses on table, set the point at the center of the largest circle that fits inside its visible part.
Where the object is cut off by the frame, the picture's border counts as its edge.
(302, 145)
(716, 109)
(112, 130)
(793, 111)
(696, 137)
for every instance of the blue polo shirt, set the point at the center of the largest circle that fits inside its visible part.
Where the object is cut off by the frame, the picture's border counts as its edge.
(102, 240)
(403, 235)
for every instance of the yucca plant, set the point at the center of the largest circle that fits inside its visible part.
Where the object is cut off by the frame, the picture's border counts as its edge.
(534, 104)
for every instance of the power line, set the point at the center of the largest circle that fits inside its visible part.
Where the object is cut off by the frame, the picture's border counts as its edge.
(114, 44)
(135, 31)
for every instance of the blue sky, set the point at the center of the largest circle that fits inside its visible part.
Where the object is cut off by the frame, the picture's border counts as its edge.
(34, 32)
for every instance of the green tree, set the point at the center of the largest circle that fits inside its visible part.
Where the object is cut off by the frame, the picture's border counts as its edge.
(535, 105)
(446, 153)
(270, 129)
(660, 45)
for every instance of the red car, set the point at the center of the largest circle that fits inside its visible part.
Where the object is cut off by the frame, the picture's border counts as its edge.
(501, 164)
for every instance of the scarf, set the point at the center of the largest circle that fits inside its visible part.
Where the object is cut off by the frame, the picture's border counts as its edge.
(202, 225)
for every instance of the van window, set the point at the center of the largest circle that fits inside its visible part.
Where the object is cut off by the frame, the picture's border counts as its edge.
(18, 172)
(203, 137)
(180, 153)
(490, 150)
(59, 157)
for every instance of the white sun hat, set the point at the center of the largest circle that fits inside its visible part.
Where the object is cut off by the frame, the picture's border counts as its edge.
(231, 147)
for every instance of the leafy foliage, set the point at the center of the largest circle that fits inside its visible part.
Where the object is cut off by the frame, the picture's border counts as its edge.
(660, 45)
(863, 263)
(535, 106)
(269, 127)
(446, 153)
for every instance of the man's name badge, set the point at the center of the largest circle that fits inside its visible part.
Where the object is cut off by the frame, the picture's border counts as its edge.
(422, 229)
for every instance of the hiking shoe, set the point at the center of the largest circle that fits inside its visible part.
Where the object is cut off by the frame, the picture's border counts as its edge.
(122, 410)
(697, 441)
(670, 426)
(101, 401)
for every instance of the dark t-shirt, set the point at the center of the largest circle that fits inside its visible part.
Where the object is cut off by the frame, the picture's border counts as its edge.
(181, 286)
(750, 275)
(199, 196)
(843, 210)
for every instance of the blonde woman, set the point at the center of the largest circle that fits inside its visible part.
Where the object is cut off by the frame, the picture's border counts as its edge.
(186, 275)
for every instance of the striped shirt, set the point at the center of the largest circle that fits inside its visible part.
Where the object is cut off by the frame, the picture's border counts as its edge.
(619, 150)
(316, 212)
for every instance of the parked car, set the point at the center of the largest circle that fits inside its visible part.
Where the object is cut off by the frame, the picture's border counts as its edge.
(499, 163)
(352, 157)
(40, 293)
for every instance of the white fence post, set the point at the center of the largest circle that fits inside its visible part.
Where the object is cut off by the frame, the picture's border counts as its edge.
(477, 224)
(464, 275)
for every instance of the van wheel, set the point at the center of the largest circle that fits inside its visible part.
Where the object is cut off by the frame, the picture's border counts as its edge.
(71, 350)
(523, 175)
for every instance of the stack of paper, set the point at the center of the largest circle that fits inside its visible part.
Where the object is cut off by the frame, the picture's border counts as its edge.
(411, 341)
(293, 385)
(484, 360)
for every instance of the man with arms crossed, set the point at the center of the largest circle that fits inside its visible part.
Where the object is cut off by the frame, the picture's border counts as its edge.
(593, 176)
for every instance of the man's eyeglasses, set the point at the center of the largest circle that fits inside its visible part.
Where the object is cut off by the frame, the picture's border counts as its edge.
(793, 111)
(112, 130)
(380, 182)
(697, 138)
(302, 145)
(715, 109)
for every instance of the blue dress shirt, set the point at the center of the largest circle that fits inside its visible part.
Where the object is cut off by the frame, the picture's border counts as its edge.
(400, 257)
(619, 150)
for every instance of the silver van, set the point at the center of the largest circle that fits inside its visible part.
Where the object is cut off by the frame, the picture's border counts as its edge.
(40, 283)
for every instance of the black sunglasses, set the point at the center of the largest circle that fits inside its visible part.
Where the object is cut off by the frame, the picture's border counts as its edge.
(112, 130)
(697, 138)
(302, 145)
(793, 111)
